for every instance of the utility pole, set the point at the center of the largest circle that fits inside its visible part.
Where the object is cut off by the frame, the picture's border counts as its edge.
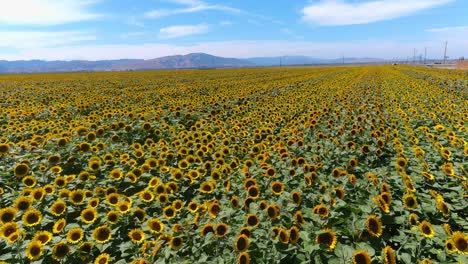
(342, 55)
(425, 55)
(414, 56)
(281, 62)
(445, 52)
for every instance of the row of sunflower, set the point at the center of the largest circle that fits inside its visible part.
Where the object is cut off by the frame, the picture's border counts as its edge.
(311, 165)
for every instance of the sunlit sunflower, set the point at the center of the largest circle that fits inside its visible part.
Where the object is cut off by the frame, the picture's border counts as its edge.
(361, 257)
(137, 235)
(326, 237)
(75, 235)
(113, 199)
(252, 220)
(426, 229)
(4, 148)
(7, 229)
(102, 234)
(139, 214)
(272, 211)
(58, 208)
(77, 196)
(374, 226)
(450, 246)
(214, 209)
(221, 229)
(294, 234)
(29, 181)
(112, 216)
(59, 226)
(43, 237)
(409, 201)
(34, 250)
(21, 170)
(207, 228)
(7, 215)
(460, 241)
(146, 196)
(38, 194)
(32, 217)
(155, 225)
(176, 243)
(242, 243)
(123, 207)
(321, 210)
(103, 258)
(22, 203)
(60, 251)
(169, 212)
(388, 255)
(277, 187)
(296, 197)
(243, 258)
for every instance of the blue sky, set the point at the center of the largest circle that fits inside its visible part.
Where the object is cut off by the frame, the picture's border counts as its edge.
(113, 29)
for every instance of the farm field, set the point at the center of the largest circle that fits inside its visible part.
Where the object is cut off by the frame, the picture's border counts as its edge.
(269, 165)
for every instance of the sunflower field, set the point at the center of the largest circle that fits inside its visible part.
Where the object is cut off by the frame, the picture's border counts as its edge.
(269, 165)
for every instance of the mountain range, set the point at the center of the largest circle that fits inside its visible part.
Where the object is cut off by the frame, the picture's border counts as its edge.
(189, 61)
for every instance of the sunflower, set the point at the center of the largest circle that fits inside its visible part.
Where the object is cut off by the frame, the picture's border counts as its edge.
(243, 258)
(123, 207)
(155, 225)
(277, 187)
(245, 231)
(296, 197)
(413, 219)
(60, 251)
(9, 228)
(23, 203)
(299, 217)
(192, 207)
(58, 208)
(163, 198)
(137, 235)
(102, 234)
(139, 214)
(214, 209)
(235, 202)
(7, 215)
(116, 174)
(252, 220)
(450, 246)
(443, 208)
(112, 217)
(426, 229)
(34, 250)
(242, 243)
(253, 191)
(43, 237)
(326, 237)
(374, 226)
(272, 211)
(294, 234)
(32, 217)
(207, 187)
(59, 226)
(447, 229)
(75, 235)
(77, 196)
(103, 258)
(84, 250)
(221, 229)
(401, 162)
(176, 243)
(112, 199)
(207, 228)
(29, 181)
(15, 236)
(38, 194)
(21, 170)
(321, 210)
(388, 255)
(461, 242)
(146, 196)
(169, 212)
(361, 257)
(283, 236)
(409, 201)
(4, 148)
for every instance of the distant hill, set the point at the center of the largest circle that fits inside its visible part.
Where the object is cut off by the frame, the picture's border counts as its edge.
(192, 60)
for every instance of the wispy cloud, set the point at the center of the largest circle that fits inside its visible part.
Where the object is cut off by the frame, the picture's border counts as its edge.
(41, 39)
(183, 30)
(448, 29)
(336, 13)
(189, 6)
(42, 13)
